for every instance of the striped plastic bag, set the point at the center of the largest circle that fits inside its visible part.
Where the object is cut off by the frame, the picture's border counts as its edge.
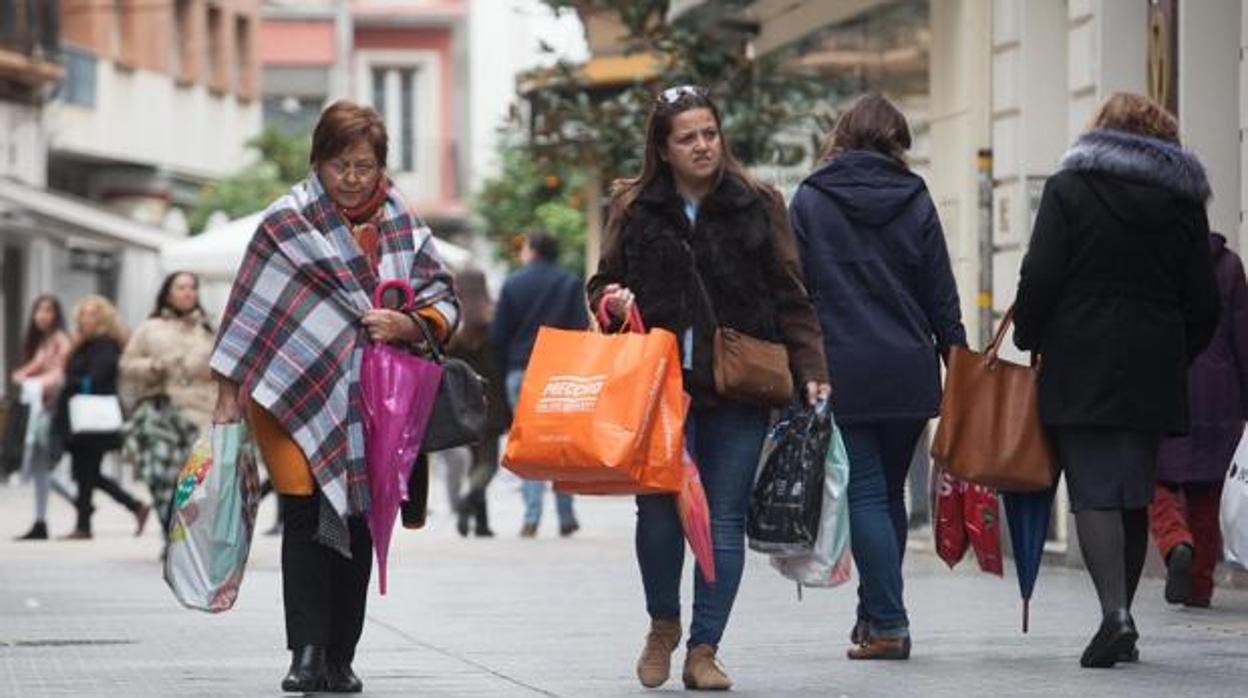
(212, 517)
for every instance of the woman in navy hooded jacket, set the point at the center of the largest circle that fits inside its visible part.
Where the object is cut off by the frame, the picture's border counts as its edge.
(879, 275)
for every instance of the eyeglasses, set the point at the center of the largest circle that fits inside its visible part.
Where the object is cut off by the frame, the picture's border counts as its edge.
(361, 170)
(673, 95)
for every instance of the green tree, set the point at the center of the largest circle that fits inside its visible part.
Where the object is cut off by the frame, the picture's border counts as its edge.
(534, 193)
(763, 101)
(769, 107)
(282, 161)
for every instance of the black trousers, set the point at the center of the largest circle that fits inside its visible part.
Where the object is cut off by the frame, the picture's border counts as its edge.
(324, 592)
(85, 462)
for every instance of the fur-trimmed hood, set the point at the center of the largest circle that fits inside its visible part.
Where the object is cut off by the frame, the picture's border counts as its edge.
(1142, 159)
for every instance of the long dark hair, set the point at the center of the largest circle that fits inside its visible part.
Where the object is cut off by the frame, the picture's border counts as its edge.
(34, 336)
(667, 105)
(477, 310)
(163, 304)
(871, 123)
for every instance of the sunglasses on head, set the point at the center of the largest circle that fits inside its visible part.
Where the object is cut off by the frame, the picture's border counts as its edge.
(673, 94)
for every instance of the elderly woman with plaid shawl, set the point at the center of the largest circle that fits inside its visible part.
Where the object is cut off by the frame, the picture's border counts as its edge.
(288, 354)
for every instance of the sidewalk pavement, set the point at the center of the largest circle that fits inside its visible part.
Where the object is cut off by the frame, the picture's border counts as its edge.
(556, 617)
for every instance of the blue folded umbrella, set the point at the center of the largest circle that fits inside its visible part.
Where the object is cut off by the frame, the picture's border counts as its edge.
(1028, 514)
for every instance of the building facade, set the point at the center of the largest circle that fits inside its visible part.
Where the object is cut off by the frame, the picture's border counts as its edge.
(409, 60)
(159, 98)
(52, 242)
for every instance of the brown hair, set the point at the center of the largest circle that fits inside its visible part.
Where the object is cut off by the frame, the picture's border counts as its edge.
(1137, 114)
(658, 128)
(871, 123)
(344, 123)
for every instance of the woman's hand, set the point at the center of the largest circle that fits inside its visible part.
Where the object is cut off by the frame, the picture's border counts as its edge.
(390, 326)
(815, 391)
(618, 300)
(227, 411)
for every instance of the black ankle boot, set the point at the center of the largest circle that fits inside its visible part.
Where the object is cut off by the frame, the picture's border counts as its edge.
(463, 509)
(1179, 574)
(341, 679)
(308, 672)
(1115, 638)
(482, 516)
(37, 532)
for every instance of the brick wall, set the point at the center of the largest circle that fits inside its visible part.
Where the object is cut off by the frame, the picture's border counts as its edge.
(174, 37)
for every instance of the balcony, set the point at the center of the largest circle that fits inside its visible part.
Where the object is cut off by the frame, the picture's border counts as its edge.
(30, 42)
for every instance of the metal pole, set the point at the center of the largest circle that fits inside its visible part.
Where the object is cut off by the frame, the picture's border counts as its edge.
(983, 168)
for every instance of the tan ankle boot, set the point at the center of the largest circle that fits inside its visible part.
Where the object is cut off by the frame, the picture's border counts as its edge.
(655, 665)
(703, 671)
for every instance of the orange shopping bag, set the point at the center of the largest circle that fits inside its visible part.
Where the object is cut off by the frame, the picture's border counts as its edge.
(600, 413)
(656, 472)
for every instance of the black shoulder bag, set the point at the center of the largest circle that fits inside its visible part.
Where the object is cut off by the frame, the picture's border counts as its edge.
(459, 411)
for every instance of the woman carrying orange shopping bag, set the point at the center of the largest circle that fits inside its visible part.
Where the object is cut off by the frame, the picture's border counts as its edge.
(706, 253)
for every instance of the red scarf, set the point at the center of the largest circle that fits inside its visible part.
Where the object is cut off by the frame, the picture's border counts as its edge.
(362, 221)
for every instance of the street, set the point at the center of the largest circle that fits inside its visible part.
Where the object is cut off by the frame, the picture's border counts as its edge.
(510, 617)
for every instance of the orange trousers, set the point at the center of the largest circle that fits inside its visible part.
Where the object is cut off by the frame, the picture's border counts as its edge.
(288, 466)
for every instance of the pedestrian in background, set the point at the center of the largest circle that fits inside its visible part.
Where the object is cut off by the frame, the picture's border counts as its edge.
(166, 361)
(540, 294)
(876, 265)
(694, 210)
(92, 369)
(1117, 295)
(330, 242)
(1186, 505)
(45, 347)
(472, 345)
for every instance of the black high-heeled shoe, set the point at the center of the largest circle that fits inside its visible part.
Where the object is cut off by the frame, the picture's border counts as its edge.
(308, 672)
(1115, 638)
(37, 532)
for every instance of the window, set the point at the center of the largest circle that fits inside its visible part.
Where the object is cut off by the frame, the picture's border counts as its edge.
(407, 129)
(181, 62)
(117, 29)
(79, 84)
(379, 91)
(8, 19)
(394, 91)
(217, 79)
(244, 81)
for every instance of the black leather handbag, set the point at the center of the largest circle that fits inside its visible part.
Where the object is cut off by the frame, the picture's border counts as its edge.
(459, 411)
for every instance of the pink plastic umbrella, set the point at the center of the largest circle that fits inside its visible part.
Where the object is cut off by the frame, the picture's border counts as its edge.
(397, 391)
(695, 518)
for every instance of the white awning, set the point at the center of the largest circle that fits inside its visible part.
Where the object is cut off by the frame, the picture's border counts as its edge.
(83, 218)
(218, 252)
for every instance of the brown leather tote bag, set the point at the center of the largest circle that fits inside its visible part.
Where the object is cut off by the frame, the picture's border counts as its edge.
(990, 432)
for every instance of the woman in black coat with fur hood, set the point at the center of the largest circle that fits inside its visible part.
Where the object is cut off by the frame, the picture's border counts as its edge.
(1117, 295)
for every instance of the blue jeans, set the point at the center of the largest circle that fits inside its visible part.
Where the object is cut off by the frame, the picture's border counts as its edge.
(534, 491)
(879, 456)
(725, 442)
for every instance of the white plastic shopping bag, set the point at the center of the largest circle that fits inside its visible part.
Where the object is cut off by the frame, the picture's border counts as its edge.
(1235, 507)
(213, 516)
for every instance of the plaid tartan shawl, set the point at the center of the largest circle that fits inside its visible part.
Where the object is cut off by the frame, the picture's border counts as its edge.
(291, 336)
